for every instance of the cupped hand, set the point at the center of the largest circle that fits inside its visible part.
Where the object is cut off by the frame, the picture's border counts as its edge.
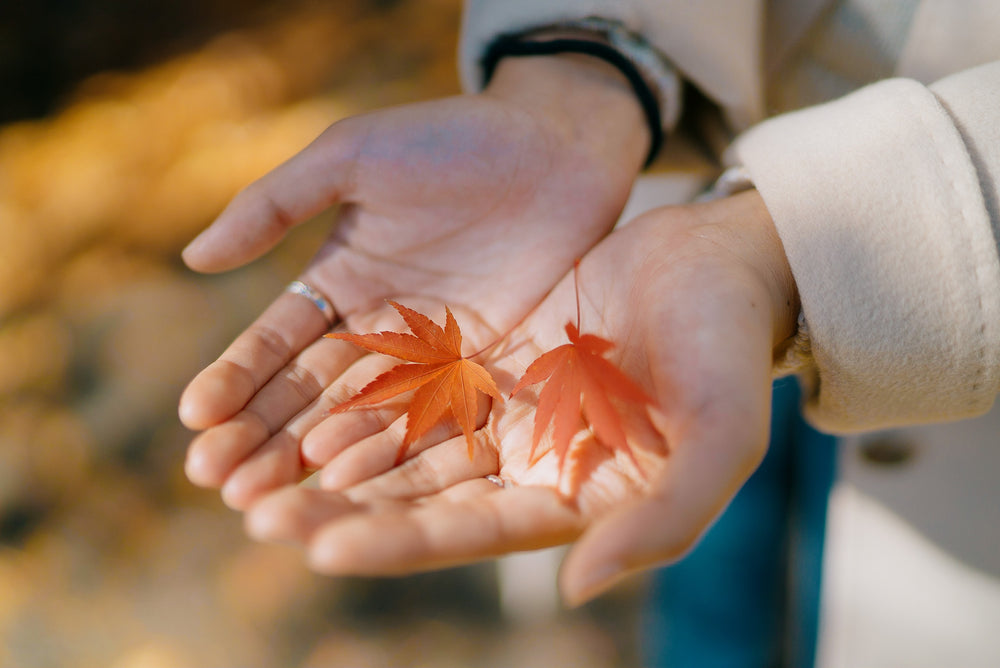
(479, 201)
(696, 299)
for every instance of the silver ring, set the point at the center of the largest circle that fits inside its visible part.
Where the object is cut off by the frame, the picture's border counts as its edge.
(313, 295)
(497, 480)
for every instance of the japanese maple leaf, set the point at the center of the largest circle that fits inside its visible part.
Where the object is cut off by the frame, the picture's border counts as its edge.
(443, 379)
(580, 382)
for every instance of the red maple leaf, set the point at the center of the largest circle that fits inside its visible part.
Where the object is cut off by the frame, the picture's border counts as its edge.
(581, 382)
(443, 379)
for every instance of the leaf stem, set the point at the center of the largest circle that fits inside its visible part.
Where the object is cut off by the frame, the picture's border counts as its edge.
(576, 285)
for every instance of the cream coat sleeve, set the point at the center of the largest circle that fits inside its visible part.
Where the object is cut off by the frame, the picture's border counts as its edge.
(713, 42)
(886, 202)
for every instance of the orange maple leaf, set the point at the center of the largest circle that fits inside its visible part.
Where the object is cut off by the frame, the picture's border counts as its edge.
(442, 377)
(581, 382)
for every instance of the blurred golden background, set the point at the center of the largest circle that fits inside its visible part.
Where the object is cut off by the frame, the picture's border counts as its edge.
(126, 127)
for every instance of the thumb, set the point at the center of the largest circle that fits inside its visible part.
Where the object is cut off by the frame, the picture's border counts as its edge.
(258, 217)
(704, 473)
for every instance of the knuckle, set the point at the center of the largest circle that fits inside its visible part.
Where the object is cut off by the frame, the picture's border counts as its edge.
(303, 382)
(272, 342)
(275, 213)
(258, 200)
(340, 392)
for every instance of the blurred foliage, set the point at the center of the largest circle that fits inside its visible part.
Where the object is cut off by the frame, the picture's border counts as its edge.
(47, 47)
(138, 122)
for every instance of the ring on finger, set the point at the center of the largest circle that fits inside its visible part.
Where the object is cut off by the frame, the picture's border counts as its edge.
(316, 297)
(497, 480)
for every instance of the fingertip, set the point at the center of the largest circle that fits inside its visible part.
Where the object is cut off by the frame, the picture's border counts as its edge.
(341, 473)
(331, 447)
(208, 260)
(236, 493)
(325, 551)
(198, 468)
(316, 452)
(192, 414)
(323, 556)
(195, 262)
(191, 409)
(271, 466)
(641, 536)
(333, 479)
(261, 523)
(212, 250)
(214, 396)
(252, 480)
(581, 585)
(292, 514)
(227, 244)
(270, 519)
(191, 255)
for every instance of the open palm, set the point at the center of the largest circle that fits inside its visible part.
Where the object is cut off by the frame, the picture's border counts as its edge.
(471, 200)
(695, 299)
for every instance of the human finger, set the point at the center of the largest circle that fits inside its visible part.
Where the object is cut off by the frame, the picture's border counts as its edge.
(277, 459)
(259, 216)
(384, 452)
(215, 453)
(292, 514)
(225, 386)
(343, 434)
(441, 532)
(430, 471)
(706, 467)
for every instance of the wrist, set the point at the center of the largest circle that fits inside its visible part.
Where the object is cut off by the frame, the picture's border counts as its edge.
(588, 101)
(769, 258)
(743, 224)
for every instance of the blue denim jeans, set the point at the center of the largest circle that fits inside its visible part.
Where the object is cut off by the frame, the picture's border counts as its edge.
(747, 596)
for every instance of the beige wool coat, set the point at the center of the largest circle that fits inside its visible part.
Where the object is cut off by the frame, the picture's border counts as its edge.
(871, 128)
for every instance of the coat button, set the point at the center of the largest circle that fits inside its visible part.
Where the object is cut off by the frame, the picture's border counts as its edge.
(888, 451)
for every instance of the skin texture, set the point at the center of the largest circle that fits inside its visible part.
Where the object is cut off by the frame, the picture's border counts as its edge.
(481, 202)
(696, 298)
